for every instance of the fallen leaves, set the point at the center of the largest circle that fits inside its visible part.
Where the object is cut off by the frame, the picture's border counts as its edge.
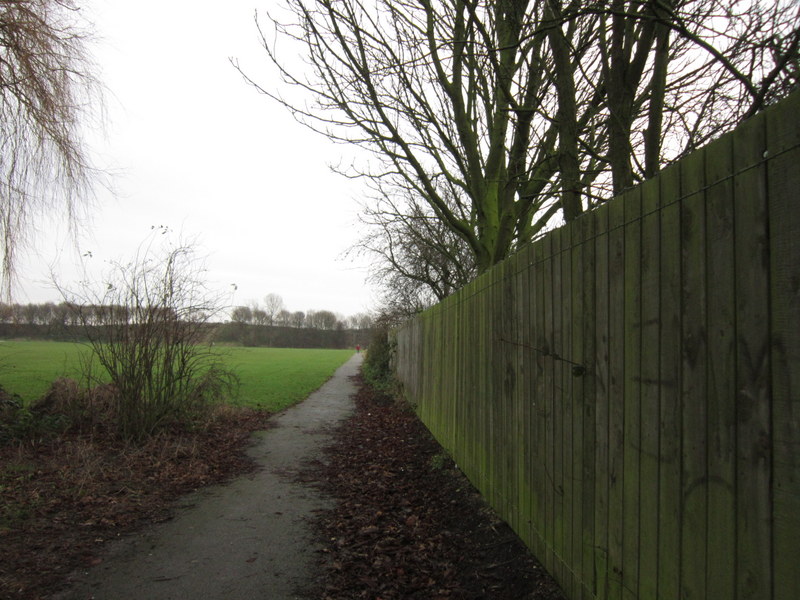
(61, 500)
(407, 524)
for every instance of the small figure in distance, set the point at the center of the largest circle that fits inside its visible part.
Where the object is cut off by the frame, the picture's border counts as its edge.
(358, 348)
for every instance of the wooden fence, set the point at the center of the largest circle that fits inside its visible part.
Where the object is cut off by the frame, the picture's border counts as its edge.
(626, 391)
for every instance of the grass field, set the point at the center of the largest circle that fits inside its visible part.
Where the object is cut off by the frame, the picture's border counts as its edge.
(274, 378)
(271, 378)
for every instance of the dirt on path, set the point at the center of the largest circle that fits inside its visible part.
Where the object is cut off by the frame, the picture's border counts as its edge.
(251, 538)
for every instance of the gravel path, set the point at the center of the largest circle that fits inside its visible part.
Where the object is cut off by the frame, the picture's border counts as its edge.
(247, 539)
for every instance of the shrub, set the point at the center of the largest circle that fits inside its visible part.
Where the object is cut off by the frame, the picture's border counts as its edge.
(20, 423)
(147, 329)
(377, 367)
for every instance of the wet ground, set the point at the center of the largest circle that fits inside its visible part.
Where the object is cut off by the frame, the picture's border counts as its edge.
(251, 538)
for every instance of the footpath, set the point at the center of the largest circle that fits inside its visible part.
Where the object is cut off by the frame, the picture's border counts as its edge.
(250, 538)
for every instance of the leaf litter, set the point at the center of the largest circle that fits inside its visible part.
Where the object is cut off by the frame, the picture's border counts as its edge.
(407, 523)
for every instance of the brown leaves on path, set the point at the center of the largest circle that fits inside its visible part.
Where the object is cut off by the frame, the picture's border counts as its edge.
(407, 523)
(62, 498)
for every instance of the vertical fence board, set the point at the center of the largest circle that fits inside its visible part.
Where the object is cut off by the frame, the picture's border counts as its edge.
(753, 568)
(783, 136)
(496, 364)
(526, 400)
(632, 357)
(510, 443)
(669, 517)
(650, 391)
(567, 401)
(460, 445)
(601, 379)
(473, 391)
(721, 434)
(694, 484)
(616, 391)
(576, 320)
(523, 398)
(558, 401)
(548, 400)
(589, 224)
(540, 405)
(485, 369)
(452, 342)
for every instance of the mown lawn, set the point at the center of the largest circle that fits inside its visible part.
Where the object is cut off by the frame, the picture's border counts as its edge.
(28, 368)
(274, 378)
(270, 378)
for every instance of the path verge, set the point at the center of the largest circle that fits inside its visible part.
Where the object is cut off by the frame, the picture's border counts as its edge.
(406, 523)
(246, 539)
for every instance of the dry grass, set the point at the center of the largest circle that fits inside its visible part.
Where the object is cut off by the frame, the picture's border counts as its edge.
(62, 496)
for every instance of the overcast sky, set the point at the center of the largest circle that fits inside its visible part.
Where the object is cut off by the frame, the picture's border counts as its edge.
(196, 149)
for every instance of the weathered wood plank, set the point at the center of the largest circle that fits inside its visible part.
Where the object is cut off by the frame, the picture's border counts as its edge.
(522, 404)
(721, 370)
(567, 407)
(548, 402)
(509, 441)
(557, 401)
(650, 390)
(473, 390)
(616, 391)
(588, 307)
(632, 359)
(783, 139)
(694, 483)
(669, 513)
(515, 427)
(460, 447)
(576, 322)
(601, 383)
(540, 404)
(495, 395)
(526, 390)
(753, 371)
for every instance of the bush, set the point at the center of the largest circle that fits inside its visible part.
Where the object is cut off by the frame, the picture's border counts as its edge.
(377, 367)
(19, 423)
(148, 330)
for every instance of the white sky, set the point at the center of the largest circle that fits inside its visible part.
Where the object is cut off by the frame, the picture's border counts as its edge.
(200, 151)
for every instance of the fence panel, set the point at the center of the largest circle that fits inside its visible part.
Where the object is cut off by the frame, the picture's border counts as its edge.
(783, 136)
(626, 390)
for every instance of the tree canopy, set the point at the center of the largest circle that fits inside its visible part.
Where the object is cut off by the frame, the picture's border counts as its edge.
(499, 118)
(47, 89)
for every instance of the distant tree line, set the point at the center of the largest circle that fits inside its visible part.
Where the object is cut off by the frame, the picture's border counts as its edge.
(272, 324)
(48, 314)
(274, 312)
(252, 325)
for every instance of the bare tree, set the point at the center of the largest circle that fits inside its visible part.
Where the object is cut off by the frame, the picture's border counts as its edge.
(47, 90)
(415, 257)
(260, 316)
(242, 315)
(147, 326)
(273, 304)
(283, 318)
(298, 319)
(501, 116)
(360, 321)
(321, 319)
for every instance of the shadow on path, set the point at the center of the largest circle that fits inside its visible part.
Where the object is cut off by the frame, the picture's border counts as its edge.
(247, 539)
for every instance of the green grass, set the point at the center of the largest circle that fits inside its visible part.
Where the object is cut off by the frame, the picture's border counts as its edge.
(274, 378)
(271, 378)
(28, 368)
